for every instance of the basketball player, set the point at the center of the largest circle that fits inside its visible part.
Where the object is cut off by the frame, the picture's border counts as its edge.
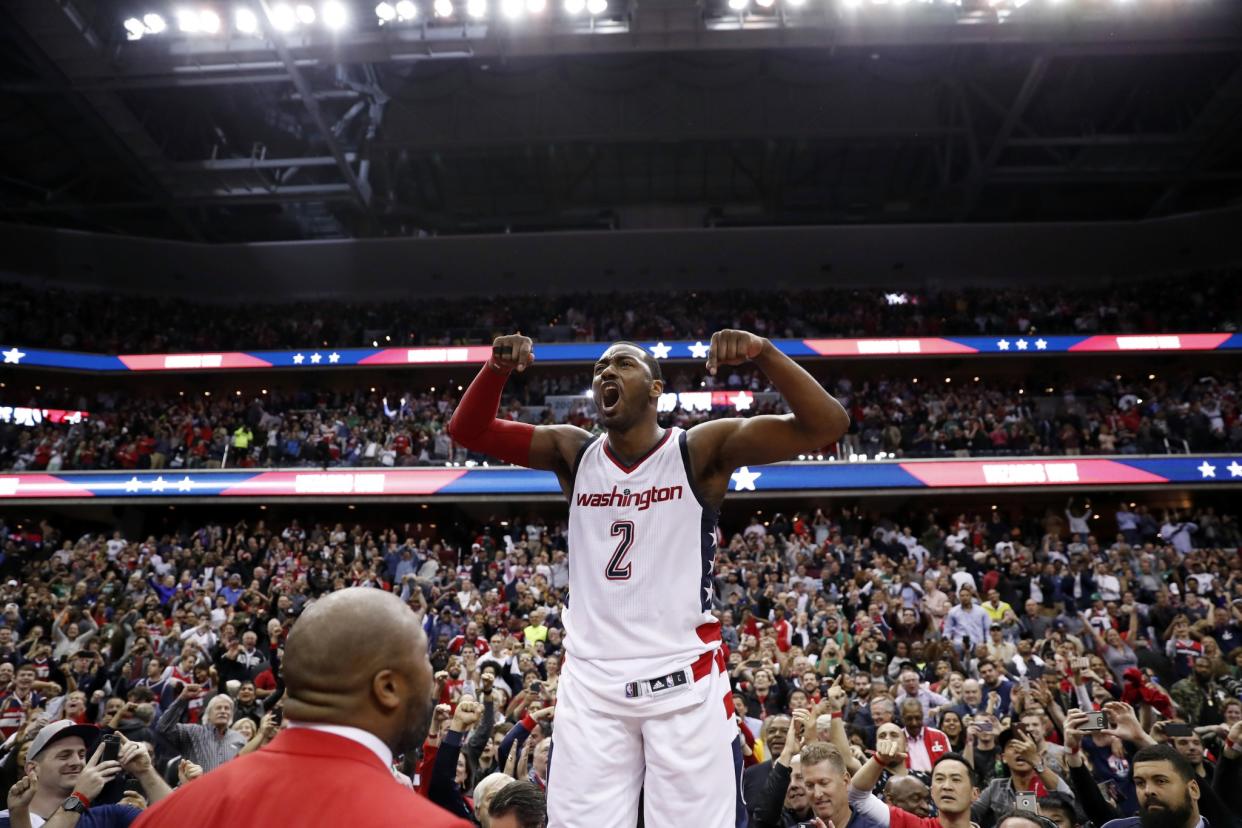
(644, 699)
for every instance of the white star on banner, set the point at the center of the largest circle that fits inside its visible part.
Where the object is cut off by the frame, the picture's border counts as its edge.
(1207, 469)
(13, 356)
(186, 484)
(741, 401)
(1235, 470)
(1041, 344)
(699, 351)
(159, 484)
(1003, 344)
(132, 485)
(298, 359)
(316, 358)
(1021, 344)
(334, 357)
(660, 350)
(744, 479)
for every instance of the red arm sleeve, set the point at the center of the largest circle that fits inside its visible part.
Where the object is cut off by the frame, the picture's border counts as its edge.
(424, 768)
(475, 426)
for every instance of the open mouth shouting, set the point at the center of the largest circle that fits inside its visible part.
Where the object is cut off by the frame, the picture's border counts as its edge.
(609, 397)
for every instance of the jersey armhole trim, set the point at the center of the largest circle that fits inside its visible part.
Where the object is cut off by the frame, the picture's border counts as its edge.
(573, 472)
(684, 445)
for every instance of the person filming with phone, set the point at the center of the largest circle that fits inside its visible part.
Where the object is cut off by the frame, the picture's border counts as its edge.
(67, 768)
(1159, 781)
(1028, 774)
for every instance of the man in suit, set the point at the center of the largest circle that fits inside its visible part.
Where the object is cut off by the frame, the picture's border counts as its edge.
(358, 688)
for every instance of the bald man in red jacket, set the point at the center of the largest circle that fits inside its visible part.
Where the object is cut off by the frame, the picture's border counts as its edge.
(358, 689)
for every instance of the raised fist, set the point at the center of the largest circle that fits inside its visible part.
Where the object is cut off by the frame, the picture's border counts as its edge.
(512, 351)
(731, 347)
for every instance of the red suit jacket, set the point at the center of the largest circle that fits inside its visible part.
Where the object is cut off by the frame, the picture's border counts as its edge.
(302, 778)
(936, 742)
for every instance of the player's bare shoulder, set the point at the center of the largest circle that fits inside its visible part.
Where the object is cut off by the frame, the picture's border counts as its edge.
(556, 447)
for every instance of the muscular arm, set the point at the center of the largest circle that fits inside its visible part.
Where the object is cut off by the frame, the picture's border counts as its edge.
(817, 419)
(474, 423)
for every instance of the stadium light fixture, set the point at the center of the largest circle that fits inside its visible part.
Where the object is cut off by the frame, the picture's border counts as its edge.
(154, 23)
(283, 17)
(739, 5)
(385, 12)
(187, 21)
(511, 8)
(245, 21)
(476, 8)
(575, 7)
(306, 14)
(443, 8)
(597, 7)
(208, 21)
(536, 6)
(134, 30)
(335, 15)
(406, 10)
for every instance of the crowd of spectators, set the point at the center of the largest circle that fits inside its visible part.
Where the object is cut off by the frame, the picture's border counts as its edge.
(890, 416)
(881, 643)
(119, 324)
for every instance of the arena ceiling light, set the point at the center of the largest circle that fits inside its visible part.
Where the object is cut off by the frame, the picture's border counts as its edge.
(385, 12)
(187, 21)
(536, 6)
(764, 4)
(406, 10)
(283, 17)
(153, 23)
(575, 7)
(597, 7)
(305, 14)
(208, 21)
(512, 8)
(335, 15)
(476, 8)
(134, 30)
(245, 21)
(443, 8)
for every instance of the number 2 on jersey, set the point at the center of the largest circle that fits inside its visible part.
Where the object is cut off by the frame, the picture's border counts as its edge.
(615, 571)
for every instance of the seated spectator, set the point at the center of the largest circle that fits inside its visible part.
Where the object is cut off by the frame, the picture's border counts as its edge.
(518, 805)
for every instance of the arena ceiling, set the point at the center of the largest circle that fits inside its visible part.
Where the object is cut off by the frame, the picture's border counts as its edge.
(664, 114)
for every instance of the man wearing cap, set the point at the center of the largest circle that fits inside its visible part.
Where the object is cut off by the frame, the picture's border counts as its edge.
(1027, 773)
(60, 784)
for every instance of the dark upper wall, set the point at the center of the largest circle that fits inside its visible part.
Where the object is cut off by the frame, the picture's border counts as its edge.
(910, 256)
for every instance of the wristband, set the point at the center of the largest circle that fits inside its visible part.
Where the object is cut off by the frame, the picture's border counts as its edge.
(1231, 745)
(81, 797)
(838, 715)
(1076, 751)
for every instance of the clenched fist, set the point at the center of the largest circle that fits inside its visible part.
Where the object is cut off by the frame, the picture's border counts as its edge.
(512, 351)
(731, 347)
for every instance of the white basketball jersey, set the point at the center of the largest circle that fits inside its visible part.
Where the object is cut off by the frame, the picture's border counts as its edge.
(641, 548)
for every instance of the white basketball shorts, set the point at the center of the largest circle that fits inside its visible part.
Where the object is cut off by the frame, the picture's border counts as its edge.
(687, 763)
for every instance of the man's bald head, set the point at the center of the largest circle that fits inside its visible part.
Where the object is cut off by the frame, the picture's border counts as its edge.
(908, 794)
(358, 657)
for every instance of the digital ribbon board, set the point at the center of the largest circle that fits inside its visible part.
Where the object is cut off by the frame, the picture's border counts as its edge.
(457, 482)
(568, 352)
